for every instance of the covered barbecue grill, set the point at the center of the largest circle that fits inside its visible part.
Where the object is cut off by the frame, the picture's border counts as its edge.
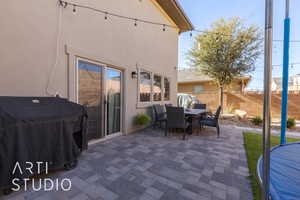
(39, 129)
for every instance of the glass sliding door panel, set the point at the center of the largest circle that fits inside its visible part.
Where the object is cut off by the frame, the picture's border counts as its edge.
(113, 101)
(90, 95)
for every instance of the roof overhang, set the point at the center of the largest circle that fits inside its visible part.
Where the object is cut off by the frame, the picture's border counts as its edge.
(245, 78)
(177, 14)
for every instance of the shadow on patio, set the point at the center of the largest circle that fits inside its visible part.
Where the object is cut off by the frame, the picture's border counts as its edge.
(149, 166)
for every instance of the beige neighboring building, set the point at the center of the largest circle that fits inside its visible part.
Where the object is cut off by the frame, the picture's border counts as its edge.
(294, 84)
(114, 68)
(205, 89)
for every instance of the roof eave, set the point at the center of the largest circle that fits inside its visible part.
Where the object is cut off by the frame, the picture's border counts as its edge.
(179, 7)
(179, 17)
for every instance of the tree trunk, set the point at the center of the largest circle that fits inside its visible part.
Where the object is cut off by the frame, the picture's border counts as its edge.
(221, 96)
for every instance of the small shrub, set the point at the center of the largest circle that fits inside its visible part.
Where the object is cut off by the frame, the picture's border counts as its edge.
(291, 123)
(142, 119)
(257, 120)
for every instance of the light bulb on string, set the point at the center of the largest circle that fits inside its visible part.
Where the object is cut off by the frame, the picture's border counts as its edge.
(66, 4)
(74, 6)
(74, 9)
(61, 3)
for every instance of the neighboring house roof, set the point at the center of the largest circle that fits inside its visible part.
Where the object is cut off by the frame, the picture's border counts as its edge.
(193, 76)
(177, 14)
(189, 76)
(278, 80)
(293, 81)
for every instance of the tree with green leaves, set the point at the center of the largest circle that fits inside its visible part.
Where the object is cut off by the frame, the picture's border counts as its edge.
(228, 50)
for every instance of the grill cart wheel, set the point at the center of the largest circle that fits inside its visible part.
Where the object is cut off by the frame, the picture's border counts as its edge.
(7, 191)
(70, 165)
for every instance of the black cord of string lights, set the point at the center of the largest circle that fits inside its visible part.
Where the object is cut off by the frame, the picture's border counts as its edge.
(65, 4)
(106, 14)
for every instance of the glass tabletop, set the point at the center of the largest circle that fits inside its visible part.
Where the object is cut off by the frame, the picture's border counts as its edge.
(189, 111)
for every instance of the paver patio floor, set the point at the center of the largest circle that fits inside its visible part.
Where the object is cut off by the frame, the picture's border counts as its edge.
(149, 166)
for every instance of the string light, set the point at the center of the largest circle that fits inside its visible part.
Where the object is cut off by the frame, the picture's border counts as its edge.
(74, 8)
(106, 14)
(135, 22)
(61, 3)
(64, 4)
(204, 31)
(290, 41)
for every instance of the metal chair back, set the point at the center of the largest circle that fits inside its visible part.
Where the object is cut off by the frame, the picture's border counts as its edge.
(175, 117)
(199, 106)
(158, 110)
(168, 105)
(218, 112)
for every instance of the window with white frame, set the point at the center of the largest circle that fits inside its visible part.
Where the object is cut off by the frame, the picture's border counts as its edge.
(198, 89)
(166, 89)
(145, 86)
(153, 87)
(157, 88)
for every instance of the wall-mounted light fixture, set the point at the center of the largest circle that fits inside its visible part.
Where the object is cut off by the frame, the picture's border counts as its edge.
(133, 74)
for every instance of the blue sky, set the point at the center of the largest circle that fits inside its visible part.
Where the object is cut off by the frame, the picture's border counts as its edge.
(203, 13)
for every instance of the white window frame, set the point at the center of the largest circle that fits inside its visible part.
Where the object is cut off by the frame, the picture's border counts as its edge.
(197, 92)
(161, 85)
(164, 89)
(151, 102)
(144, 103)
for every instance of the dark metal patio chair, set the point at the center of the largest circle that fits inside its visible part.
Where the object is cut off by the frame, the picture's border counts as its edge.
(199, 106)
(159, 115)
(169, 104)
(212, 121)
(176, 120)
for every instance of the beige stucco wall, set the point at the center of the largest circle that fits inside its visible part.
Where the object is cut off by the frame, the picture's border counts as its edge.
(28, 45)
(211, 92)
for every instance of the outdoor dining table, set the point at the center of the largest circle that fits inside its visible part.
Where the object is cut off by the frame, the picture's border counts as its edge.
(192, 114)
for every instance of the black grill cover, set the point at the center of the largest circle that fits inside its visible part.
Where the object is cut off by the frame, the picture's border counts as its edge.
(39, 129)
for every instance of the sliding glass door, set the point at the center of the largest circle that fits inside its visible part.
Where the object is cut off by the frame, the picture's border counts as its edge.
(100, 90)
(90, 94)
(113, 100)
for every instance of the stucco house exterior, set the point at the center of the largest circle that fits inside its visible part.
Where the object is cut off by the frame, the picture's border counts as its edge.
(193, 82)
(116, 67)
